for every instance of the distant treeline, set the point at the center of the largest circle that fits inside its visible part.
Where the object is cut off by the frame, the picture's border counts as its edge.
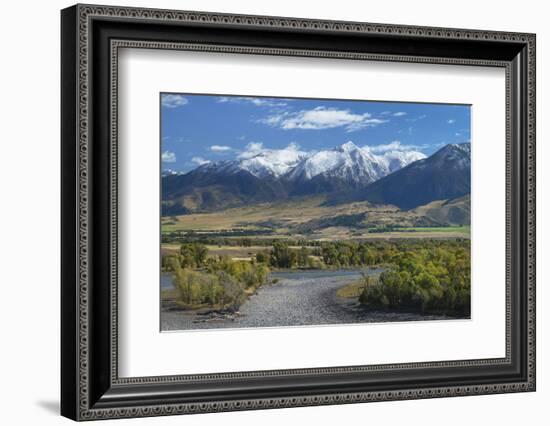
(213, 237)
(247, 241)
(371, 253)
(236, 237)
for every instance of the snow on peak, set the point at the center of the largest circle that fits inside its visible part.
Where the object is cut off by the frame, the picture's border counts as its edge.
(345, 147)
(170, 172)
(455, 155)
(451, 156)
(456, 148)
(272, 162)
(262, 162)
(347, 162)
(465, 147)
(395, 160)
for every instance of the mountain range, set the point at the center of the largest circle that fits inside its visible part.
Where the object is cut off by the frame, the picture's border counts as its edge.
(345, 173)
(444, 175)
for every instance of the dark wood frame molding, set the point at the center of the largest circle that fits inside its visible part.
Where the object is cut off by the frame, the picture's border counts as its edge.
(91, 37)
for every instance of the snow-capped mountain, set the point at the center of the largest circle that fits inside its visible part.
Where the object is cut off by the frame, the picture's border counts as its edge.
(457, 156)
(442, 176)
(395, 160)
(350, 171)
(347, 162)
(272, 162)
(265, 163)
(170, 172)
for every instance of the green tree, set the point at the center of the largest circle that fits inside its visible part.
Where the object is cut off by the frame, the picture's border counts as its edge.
(262, 256)
(392, 287)
(193, 255)
(282, 256)
(303, 256)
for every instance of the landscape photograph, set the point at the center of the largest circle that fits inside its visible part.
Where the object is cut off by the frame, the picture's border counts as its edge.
(284, 212)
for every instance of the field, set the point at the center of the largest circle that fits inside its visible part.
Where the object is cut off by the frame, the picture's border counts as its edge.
(314, 219)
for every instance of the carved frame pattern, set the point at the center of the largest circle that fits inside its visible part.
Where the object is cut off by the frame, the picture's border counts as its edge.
(85, 13)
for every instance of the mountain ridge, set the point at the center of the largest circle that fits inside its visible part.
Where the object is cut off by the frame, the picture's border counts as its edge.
(348, 171)
(348, 160)
(443, 175)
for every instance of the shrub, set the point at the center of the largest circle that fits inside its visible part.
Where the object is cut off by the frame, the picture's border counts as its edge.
(233, 294)
(428, 276)
(219, 282)
(195, 287)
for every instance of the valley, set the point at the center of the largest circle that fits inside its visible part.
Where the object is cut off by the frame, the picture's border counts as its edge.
(312, 218)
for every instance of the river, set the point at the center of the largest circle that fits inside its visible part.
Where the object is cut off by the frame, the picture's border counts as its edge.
(298, 298)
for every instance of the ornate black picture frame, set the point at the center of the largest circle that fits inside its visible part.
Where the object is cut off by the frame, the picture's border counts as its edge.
(91, 387)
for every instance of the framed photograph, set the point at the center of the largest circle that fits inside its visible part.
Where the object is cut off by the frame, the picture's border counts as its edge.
(263, 212)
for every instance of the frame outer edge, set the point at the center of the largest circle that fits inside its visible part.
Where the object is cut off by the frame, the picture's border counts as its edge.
(69, 193)
(80, 207)
(531, 201)
(81, 141)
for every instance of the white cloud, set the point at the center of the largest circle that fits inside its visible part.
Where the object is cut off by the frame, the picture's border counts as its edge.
(263, 102)
(173, 101)
(393, 146)
(220, 148)
(322, 118)
(199, 161)
(451, 121)
(168, 157)
(399, 114)
(251, 150)
(413, 120)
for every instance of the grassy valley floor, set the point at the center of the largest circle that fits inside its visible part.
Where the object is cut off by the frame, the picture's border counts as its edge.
(312, 218)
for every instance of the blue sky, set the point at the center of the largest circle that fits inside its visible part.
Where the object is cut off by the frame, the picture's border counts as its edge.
(202, 128)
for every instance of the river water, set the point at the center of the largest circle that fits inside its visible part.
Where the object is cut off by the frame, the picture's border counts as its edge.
(298, 298)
